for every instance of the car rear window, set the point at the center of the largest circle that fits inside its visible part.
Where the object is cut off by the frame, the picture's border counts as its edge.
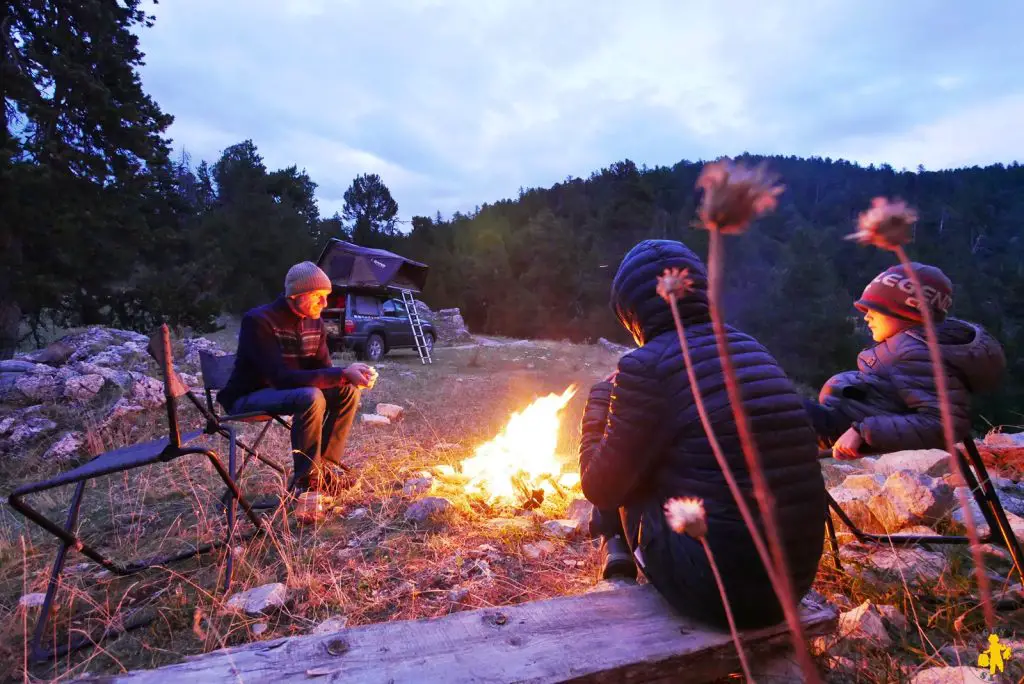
(365, 306)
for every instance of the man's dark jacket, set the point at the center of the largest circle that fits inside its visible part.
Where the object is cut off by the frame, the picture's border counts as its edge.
(278, 349)
(643, 443)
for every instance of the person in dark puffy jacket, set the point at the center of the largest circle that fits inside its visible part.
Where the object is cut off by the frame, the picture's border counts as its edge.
(642, 443)
(891, 402)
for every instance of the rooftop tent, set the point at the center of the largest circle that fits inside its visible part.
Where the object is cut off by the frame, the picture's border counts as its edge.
(351, 266)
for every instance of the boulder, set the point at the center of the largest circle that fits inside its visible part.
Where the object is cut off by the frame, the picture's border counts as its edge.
(580, 510)
(835, 472)
(330, 626)
(854, 502)
(146, 392)
(393, 412)
(450, 327)
(19, 366)
(65, 448)
(39, 387)
(538, 550)
(869, 482)
(194, 345)
(909, 498)
(914, 565)
(864, 626)
(561, 529)
(29, 429)
(121, 378)
(417, 485)
(55, 354)
(260, 599)
(426, 508)
(82, 388)
(931, 462)
(959, 517)
(952, 675)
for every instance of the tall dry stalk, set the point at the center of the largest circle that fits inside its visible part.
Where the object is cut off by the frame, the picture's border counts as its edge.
(888, 225)
(733, 197)
(686, 516)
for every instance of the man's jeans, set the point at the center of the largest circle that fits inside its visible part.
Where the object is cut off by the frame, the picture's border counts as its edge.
(321, 420)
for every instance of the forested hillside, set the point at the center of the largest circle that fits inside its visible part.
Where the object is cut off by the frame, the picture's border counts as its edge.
(101, 223)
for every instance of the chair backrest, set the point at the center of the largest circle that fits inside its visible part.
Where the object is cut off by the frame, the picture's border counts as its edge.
(160, 349)
(216, 372)
(216, 369)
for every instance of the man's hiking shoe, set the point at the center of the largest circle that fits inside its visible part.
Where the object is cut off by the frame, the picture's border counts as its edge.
(618, 561)
(332, 479)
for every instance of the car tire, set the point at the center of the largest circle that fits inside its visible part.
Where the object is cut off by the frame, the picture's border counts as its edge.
(429, 340)
(373, 350)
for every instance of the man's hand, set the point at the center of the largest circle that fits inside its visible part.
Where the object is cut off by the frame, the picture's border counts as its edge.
(847, 447)
(360, 375)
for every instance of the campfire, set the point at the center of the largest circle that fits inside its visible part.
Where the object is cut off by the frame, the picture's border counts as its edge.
(520, 465)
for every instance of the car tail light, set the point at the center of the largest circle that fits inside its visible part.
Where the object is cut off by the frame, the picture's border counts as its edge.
(350, 327)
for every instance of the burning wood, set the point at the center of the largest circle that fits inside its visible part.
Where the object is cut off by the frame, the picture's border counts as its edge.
(520, 464)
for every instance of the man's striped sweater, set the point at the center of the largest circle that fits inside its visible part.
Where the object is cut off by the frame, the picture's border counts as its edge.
(279, 349)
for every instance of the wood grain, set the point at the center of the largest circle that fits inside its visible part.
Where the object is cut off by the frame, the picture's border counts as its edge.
(626, 635)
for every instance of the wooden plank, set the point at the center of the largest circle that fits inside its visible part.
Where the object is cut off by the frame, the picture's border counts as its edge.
(625, 635)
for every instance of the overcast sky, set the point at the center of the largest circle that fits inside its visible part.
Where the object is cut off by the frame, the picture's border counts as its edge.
(459, 103)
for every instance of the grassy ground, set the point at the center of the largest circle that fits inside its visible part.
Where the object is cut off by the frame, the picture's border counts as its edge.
(366, 563)
(368, 568)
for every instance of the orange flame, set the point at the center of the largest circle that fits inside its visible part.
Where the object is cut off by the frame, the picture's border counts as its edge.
(525, 450)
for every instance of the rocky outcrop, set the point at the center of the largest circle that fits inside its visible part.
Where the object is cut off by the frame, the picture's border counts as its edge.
(91, 379)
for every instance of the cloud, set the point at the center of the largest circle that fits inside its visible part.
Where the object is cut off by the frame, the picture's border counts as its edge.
(457, 103)
(975, 136)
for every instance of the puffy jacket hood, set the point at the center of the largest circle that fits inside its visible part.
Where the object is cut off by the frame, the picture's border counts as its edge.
(634, 296)
(970, 351)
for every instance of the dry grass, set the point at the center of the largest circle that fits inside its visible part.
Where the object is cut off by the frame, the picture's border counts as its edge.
(375, 566)
(370, 567)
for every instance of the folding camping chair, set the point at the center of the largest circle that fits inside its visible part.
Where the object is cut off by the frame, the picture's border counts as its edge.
(116, 461)
(981, 487)
(216, 371)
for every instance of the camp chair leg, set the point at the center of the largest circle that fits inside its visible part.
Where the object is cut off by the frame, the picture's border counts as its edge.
(36, 651)
(233, 488)
(58, 568)
(251, 452)
(830, 527)
(255, 448)
(988, 501)
(229, 550)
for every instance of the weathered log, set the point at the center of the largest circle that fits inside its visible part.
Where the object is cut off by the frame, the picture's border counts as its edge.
(625, 635)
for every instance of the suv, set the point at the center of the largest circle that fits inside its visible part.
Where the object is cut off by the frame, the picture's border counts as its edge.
(371, 325)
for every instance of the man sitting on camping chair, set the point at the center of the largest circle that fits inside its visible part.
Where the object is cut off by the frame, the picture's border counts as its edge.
(283, 367)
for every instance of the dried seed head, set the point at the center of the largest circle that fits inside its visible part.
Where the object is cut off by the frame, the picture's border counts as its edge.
(686, 516)
(735, 195)
(674, 281)
(887, 224)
